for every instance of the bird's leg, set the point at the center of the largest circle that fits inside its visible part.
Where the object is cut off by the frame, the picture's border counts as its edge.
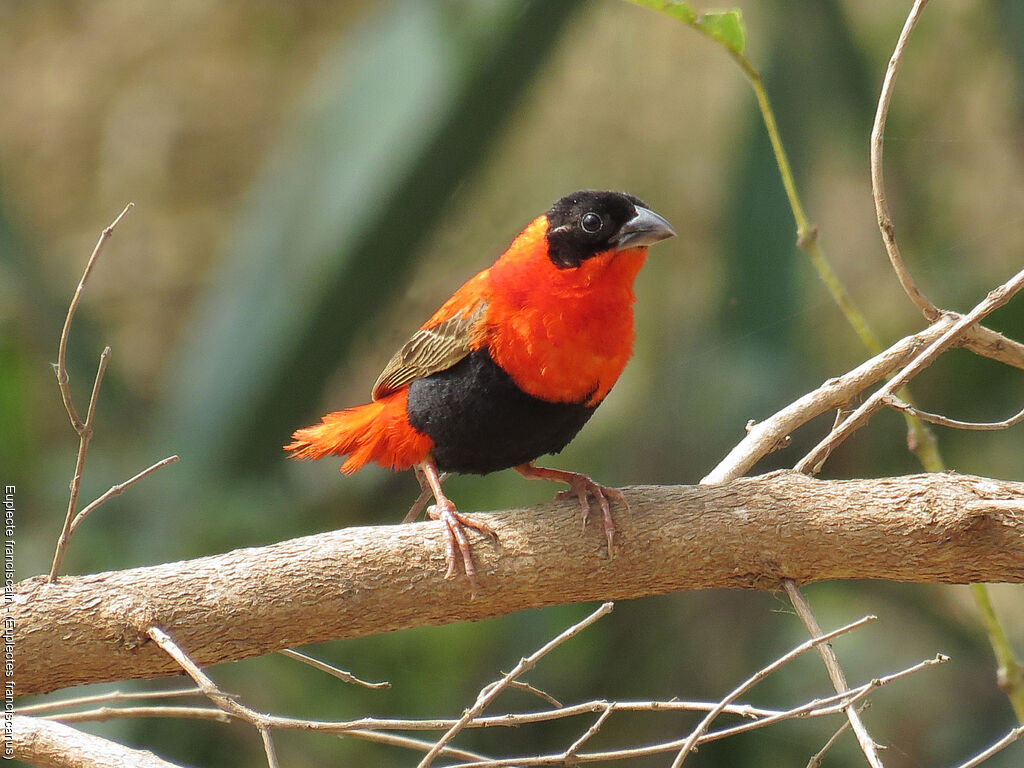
(425, 494)
(455, 535)
(580, 486)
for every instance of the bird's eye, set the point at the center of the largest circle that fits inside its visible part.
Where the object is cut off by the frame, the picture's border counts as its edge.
(591, 223)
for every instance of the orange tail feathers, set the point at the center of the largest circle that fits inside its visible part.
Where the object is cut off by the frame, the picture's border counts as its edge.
(378, 432)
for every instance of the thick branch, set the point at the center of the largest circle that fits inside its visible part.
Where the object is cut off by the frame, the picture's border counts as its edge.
(751, 533)
(51, 745)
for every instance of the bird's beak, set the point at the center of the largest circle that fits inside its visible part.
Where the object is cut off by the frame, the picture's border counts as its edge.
(645, 228)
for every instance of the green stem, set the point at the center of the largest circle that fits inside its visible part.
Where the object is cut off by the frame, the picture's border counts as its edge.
(920, 437)
(1009, 675)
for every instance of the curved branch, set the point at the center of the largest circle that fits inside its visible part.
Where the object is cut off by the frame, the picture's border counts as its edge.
(885, 225)
(996, 298)
(751, 533)
(766, 436)
(52, 745)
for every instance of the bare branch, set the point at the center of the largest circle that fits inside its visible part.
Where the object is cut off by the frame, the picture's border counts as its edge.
(999, 746)
(818, 708)
(803, 610)
(821, 707)
(817, 757)
(46, 744)
(993, 345)
(117, 490)
(750, 682)
(885, 225)
(995, 299)
(544, 696)
(577, 745)
(105, 698)
(103, 714)
(369, 728)
(85, 431)
(750, 533)
(61, 367)
(214, 694)
(333, 671)
(766, 436)
(491, 692)
(991, 426)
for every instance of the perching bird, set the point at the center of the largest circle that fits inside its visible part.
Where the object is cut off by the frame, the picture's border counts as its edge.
(510, 367)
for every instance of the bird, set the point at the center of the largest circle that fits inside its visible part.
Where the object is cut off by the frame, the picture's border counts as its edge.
(510, 368)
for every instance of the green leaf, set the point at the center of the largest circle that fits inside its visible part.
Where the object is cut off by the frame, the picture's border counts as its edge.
(724, 26)
(674, 8)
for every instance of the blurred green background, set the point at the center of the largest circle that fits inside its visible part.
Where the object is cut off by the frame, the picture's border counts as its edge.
(313, 179)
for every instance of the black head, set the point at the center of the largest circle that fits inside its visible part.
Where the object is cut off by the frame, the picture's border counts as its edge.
(589, 222)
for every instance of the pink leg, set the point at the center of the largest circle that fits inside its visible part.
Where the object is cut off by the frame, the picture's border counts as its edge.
(580, 486)
(454, 522)
(425, 494)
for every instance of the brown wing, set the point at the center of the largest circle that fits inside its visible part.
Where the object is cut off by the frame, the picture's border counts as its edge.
(428, 351)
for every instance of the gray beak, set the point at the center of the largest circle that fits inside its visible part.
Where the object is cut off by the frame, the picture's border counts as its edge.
(646, 228)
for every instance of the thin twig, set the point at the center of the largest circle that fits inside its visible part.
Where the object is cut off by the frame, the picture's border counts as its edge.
(61, 367)
(369, 728)
(835, 672)
(215, 694)
(817, 757)
(589, 733)
(753, 680)
(831, 705)
(333, 671)
(117, 490)
(84, 429)
(509, 720)
(984, 426)
(519, 685)
(490, 692)
(885, 225)
(418, 745)
(85, 433)
(763, 437)
(999, 746)
(103, 714)
(99, 698)
(995, 299)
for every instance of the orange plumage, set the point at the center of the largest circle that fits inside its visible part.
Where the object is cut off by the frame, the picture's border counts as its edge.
(378, 432)
(512, 365)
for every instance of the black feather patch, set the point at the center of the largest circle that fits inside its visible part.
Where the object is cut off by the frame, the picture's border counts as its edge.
(480, 421)
(584, 223)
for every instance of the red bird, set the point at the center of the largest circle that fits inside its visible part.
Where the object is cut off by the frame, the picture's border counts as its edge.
(511, 367)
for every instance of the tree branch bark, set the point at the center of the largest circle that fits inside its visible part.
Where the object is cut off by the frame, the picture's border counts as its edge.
(46, 744)
(750, 533)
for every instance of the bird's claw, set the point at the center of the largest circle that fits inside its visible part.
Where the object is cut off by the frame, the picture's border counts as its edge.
(456, 543)
(583, 487)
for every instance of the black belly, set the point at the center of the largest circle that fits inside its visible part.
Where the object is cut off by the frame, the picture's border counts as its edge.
(480, 421)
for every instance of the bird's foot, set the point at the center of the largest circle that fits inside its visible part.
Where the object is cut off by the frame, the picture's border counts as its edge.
(582, 488)
(456, 543)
